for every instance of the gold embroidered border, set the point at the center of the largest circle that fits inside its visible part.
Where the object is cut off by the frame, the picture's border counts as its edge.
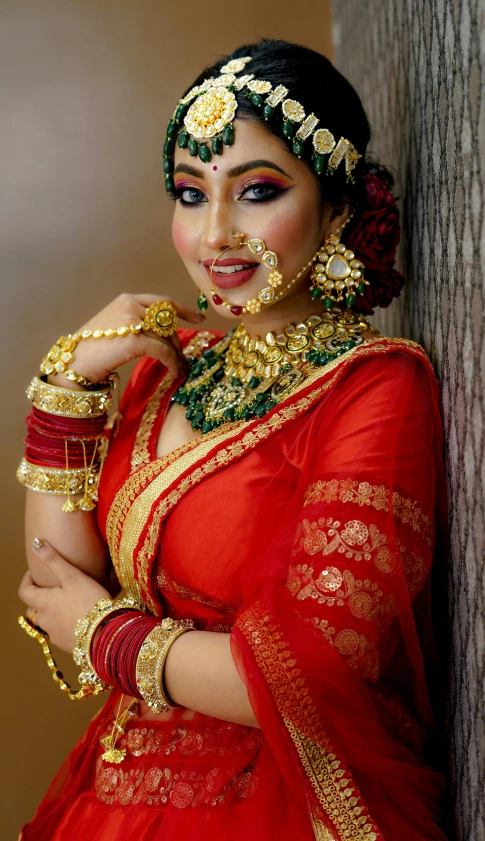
(378, 496)
(132, 506)
(140, 454)
(329, 777)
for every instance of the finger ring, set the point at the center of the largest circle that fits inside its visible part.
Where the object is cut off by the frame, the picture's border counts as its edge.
(161, 318)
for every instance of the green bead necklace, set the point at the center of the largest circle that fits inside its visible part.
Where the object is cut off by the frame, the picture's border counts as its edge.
(241, 377)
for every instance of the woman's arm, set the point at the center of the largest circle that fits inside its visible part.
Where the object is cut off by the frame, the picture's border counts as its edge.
(200, 674)
(76, 535)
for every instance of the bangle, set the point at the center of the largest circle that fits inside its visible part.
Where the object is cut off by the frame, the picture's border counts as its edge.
(151, 662)
(85, 630)
(68, 403)
(54, 480)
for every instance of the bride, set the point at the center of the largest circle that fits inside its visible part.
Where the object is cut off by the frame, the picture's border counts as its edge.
(252, 587)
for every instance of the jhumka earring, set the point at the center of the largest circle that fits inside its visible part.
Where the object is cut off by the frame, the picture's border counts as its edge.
(275, 278)
(202, 301)
(337, 275)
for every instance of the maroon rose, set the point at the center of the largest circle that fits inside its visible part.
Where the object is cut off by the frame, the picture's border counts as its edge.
(378, 193)
(376, 236)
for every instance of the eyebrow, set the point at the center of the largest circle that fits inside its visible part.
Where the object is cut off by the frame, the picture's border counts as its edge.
(234, 172)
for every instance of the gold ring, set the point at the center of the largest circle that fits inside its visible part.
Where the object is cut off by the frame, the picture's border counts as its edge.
(161, 318)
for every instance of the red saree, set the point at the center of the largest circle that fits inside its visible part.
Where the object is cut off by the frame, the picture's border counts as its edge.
(308, 535)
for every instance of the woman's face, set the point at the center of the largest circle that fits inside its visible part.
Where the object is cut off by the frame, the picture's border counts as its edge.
(257, 187)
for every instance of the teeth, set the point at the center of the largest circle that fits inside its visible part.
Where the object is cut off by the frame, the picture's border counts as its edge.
(231, 269)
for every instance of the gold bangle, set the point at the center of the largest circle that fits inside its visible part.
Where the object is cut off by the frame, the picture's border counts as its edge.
(54, 480)
(85, 629)
(151, 662)
(43, 639)
(68, 403)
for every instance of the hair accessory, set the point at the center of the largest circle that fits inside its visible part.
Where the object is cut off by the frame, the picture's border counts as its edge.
(207, 112)
(337, 275)
(151, 662)
(42, 638)
(161, 318)
(85, 630)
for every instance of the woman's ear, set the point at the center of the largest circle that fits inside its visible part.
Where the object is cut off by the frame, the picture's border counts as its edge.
(334, 219)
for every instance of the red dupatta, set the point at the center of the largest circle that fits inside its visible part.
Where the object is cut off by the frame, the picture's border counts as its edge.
(334, 625)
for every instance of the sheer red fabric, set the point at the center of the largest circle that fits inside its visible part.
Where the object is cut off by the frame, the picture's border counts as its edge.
(308, 535)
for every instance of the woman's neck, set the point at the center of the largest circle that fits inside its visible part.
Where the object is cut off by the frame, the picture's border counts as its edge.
(290, 310)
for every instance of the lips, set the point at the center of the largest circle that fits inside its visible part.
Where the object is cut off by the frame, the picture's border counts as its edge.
(230, 280)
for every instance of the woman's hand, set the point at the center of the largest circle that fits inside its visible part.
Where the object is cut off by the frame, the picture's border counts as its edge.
(97, 358)
(58, 608)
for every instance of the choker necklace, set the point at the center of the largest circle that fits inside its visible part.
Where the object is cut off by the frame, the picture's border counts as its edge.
(242, 377)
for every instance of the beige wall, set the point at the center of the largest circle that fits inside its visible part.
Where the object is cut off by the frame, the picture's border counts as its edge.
(87, 90)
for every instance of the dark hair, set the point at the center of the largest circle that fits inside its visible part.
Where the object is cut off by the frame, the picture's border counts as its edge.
(314, 82)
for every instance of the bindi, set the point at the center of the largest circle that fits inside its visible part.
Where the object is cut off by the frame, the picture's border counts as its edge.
(214, 168)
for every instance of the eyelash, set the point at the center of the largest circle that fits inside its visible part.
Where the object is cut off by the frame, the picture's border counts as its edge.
(275, 193)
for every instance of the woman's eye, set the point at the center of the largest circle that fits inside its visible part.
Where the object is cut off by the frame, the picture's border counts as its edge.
(260, 192)
(190, 195)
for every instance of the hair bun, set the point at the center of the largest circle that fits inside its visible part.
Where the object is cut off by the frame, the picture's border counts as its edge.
(374, 238)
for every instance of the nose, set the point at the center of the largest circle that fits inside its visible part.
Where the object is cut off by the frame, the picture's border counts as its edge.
(218, 231)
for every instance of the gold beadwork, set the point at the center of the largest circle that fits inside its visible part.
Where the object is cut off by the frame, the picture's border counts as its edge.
(58, 481)
(43, 639)
(67, 403)
(210, 113)
(151, 662)
(84, 632)
(161, 318)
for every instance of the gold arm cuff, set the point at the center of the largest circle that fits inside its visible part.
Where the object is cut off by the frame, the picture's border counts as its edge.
(85, 629)
(54, 480)
(68, 403)
(151, 662)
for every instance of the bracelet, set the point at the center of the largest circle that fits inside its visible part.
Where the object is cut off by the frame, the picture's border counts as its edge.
(41, 637)
(151, 662)
(58, 481)
(85, 630)
(68, 403)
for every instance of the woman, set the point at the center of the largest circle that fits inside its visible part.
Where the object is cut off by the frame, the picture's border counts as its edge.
(273, 493)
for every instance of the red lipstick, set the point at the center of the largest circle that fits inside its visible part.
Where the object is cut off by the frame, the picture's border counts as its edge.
(234, 279)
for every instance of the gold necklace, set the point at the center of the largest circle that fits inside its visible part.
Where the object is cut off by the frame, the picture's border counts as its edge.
(243, 377)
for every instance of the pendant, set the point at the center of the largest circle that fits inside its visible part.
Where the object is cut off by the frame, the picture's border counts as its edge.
(114, 755)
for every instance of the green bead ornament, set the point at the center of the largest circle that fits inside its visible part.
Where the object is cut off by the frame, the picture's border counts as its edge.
(204, 153)
(180, 113)
(350, 300)
(169, 185)
(268, 112)
(193, 147)
(202, 302)
(183, 140)
(328, 303)
(168, 147)
(171, 128)
(167, 166)
(228, 135)
(319, 164)
(361, 288)
(316, 293)
(298, 148)
(257, 100)
(216, 145)
(287, 129)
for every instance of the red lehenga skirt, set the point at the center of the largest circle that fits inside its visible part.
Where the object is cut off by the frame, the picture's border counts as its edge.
(308, 535)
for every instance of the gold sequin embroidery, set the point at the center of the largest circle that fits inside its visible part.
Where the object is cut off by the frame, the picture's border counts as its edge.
(376, 496)
(329, 777)
(141, 452)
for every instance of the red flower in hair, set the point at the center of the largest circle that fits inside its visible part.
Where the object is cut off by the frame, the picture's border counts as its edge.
(374, 239)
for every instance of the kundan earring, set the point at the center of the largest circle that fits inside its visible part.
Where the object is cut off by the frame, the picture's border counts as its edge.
(202, 301)
(337, 275)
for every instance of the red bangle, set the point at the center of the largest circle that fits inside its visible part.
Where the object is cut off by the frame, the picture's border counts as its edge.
(65, 443)
(115, 650)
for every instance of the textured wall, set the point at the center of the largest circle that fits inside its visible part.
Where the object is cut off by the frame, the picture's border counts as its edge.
(419, 66)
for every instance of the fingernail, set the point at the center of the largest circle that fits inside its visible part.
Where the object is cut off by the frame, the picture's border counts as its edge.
(38, 544)
(200, 315)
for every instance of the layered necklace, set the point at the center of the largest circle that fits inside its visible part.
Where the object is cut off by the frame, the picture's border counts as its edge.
(242, 377)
